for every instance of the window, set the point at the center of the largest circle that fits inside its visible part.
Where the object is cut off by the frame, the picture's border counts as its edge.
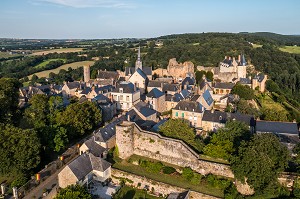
(121, 90)
(121, 97)
(182, 114)
(176, 114)
(115, 97)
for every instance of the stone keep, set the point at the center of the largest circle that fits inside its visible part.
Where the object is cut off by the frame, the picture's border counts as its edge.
(86, 73)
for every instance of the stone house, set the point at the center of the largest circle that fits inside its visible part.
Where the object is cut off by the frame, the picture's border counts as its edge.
(182, 195)
(213, 120)
(259, 81)
(171, 88)
(190, 111)
(222, 88)
(108, 108)
(188, 83)
(140, 80)
(83, 170)
(91, 146)
(157, 100)
(125, 95)
(154, 84)
(72, 88)
(205, 99)
(141, 112)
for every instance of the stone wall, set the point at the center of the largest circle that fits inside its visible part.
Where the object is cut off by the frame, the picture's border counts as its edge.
(158, 187)
(130, 140)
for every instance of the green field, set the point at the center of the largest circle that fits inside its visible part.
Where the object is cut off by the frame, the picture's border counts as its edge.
(127, 192)
(291, 49)
(44, 63)
(65, 67)
(59, 50)
(257, 45)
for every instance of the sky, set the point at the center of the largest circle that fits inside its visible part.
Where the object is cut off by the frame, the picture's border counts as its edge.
(105, 19)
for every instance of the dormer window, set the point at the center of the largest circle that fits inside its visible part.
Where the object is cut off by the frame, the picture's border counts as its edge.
(120, 90)
(220, 118)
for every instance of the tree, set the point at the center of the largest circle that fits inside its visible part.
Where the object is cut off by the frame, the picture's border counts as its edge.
(19, 149)
(260, 161)
(245, 107)
(272, 86)
(37, 113)
(210, 75)
(60, 139)
(225, 142)
(34, 78)
(55, 104)
(9, 99)
(199, 75)
(73, 192)
(79, 118)
(245, 92)
(273, 115)
(180, 129)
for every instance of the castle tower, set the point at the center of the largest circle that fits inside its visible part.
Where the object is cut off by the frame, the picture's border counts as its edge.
(125, 139)
(86, 73)
(138, 63)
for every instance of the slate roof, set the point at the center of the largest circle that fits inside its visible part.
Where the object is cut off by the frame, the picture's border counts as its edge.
(155, 128)
(94, 148)
(155, 93)
(182, 195)
(73, 85)
(101, 99)
(277, 127)
(202, 84)
(245, 81)
(177, 97)
(223, 117)
(189, 106)
(86, 91)
(155, 83)
(224, 85)
(107, 132)
(185, 93)
(144, 109)
(228, 61)
(86, 163)
(139, 71)
(147, 70)
(243, 61)
(170, 87)
(108, 75)
(195, 98)
(260, 77)
(207, 97)
(128, 87)
(188, 81)
(131, 70)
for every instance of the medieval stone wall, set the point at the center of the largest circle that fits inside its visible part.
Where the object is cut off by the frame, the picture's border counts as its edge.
(179, 70)
(157, 187)
(132, 140)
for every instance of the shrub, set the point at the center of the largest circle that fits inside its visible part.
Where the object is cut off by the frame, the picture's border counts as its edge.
(168, 170)
(187, 173)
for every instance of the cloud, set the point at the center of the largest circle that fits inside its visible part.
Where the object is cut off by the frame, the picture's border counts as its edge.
(90, 3)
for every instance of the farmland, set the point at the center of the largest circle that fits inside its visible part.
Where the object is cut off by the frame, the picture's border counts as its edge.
(60, 50)
(291, 49)
(65, 67)
(44, 63)
(7, 55)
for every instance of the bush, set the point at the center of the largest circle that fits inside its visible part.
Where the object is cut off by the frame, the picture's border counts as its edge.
(168, 170)
(187, 173)
(154, 167)
(196, 179)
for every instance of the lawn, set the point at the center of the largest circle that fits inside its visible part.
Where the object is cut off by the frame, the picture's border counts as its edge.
(291, 49)
(44, 63)
(60, 50)
(256, 45)
(267, 102)
(74, 65)
(127, 192)
(172, 179)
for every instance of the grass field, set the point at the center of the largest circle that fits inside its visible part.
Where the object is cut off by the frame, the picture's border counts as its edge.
(291, 49)
(127, 192)
(60, 50)
(65, 67)
(44, 63)
(257, 45)
(176, 180)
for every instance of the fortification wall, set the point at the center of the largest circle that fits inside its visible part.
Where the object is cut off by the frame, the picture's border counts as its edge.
(155, 146)
(179, 70)
(157, 187)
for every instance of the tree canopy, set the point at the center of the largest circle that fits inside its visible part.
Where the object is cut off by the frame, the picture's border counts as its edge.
(73, 192)
(244, 91)
(260, 161)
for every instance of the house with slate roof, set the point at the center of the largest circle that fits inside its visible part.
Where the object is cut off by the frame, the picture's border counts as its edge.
(143, 111)
(287, 132)
(154, 84)
(125, 95)
(140, 80)
(223, 88)
(83, 170)
(157, 100)
(92, 147)
(190, 111)
(72, 88)
(213, 120)
(205, 99)
(108, 108)
(188, 83)
(182, 195)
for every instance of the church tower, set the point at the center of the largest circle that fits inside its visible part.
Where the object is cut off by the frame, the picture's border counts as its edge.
(138, 63)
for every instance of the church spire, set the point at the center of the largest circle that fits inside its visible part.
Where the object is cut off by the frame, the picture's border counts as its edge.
(138, 63)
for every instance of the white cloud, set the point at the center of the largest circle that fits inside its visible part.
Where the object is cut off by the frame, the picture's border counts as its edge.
(91, 3)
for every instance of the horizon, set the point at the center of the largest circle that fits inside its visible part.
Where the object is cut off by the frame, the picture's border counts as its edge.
(118, 19)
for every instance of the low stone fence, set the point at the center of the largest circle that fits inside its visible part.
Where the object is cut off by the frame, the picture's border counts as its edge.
(152, 186)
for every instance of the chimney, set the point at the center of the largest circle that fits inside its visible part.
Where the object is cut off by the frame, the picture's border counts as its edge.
(15, 192)
(294, 121)
(239, 58)
(212, 110)
(225, 57)
(105, 154)
(98, 72)
(128, 118)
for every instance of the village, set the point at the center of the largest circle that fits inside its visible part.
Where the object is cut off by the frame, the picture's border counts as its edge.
(134, 105)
